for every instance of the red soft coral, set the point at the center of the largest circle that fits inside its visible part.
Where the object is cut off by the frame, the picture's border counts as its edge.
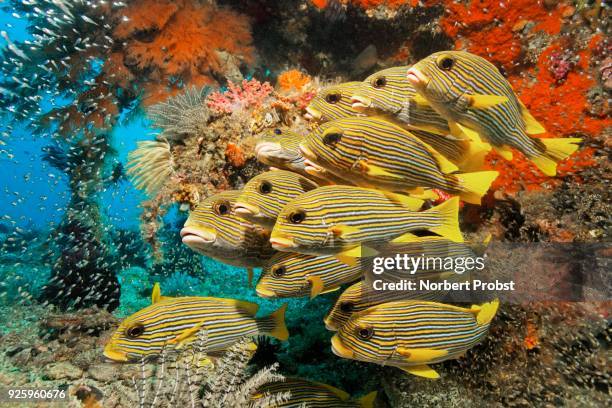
(238, 97)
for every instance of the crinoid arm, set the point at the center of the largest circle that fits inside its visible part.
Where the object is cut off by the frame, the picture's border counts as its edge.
(150, 165)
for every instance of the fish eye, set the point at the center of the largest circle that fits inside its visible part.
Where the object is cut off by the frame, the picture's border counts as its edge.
(333, 98)
(446, 63)
(278, 131)
(222, 208)
(365, 333)
(297, 217)
(278, 272)
(135, 331)
(347, 307)
(265, 187)
(331, 139)
(379, 82)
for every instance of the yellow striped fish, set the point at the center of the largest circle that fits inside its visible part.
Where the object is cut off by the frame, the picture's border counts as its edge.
(361, 296)
(388, 93)
(333, 102)
(289, 274)
(215, 230)
(376, 153)
(171, 323)
(279, 148)
(344, 220)
(266, 194)
(305, 393)
(412, 334)
(478, 101)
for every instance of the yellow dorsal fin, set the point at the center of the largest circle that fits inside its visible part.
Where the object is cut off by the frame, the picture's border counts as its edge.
(422, 371)
(411, 203)
(421, 355)
(343, 230)
(532, 126)
(367, 401)
(456, 131)
(485, 312)
(184, 337)
(407, 237)
(504, 152)
(156, 293)
(316, 286)
(471, 134)
(478, 101)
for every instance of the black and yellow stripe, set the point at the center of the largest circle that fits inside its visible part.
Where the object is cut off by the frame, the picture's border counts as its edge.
(266, 194)
(413, 333)
(215, 230)
(376, 153)
(455, 82)
(328, 219)
(334, 102)
(174, 322)
(305, 393)
(361, 295)
(290, 274)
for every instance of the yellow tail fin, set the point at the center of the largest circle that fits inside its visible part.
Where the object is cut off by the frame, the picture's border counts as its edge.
(556, 150)
(280, 330)
(449, 219)
(475, 185)
(367, 401)
(486, 311)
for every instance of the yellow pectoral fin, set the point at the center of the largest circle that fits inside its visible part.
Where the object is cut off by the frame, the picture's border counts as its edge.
(422, 371)
(347, 260)
(532, 126)
(478, 101)
(420, 100)
(471, 135)
(421, 355)
(316, 286)
(373, 170)
(343, 230)
(183, 338)
(410, 203)
(350, 256)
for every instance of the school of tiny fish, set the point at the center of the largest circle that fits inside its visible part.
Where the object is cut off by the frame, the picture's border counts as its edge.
(367, 176)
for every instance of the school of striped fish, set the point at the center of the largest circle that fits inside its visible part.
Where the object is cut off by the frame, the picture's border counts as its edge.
(377, 170)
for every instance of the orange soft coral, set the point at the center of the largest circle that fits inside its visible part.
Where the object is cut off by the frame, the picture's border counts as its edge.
(293, 80)
(234, 155)
(179, 40)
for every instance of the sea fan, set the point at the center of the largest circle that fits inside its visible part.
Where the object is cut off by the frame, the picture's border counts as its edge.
(185, 114)
(150, 165)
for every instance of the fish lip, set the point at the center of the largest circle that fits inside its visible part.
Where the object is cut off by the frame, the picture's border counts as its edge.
(265, 148)
(306, 152)
(282, 243)
(340, 349)
(114, 355)
(264, 293)
(242, 208)
(329, 325)
(196, 237)
(360, 103)
(312, 114)
(417, 78)
(312, 168)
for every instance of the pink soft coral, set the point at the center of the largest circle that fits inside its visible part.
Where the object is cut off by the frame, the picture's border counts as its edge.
(239, 97)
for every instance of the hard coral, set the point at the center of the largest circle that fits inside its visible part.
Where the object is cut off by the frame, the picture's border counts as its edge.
(239, 97)
(180, 39)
